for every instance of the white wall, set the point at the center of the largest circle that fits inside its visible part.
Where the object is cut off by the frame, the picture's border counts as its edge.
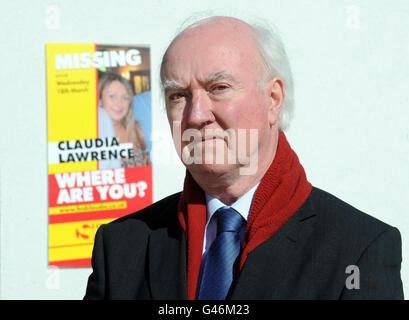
(351, 129)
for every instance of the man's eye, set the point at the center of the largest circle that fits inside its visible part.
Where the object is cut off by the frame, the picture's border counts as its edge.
(219, 88)
(176, 96)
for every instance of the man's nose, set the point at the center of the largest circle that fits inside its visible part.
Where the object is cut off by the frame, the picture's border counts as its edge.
(200, 111)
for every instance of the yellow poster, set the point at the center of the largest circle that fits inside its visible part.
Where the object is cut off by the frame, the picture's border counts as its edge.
(99, 129)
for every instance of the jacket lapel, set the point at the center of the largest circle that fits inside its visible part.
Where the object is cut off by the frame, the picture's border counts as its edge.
(269, 270)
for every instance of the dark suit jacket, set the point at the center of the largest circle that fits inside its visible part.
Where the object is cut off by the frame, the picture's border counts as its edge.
(143, 256)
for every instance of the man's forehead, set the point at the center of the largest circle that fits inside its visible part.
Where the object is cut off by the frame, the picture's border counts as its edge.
(172, 84)
(217, 31)
(218, 48)
(217, 24)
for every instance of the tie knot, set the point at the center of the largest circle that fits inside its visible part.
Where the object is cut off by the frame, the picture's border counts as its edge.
(228, 220)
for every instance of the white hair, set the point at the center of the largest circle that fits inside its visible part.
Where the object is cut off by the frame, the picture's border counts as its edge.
(272, 52)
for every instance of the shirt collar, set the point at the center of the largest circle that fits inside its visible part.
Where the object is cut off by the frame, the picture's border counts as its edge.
(242, 205)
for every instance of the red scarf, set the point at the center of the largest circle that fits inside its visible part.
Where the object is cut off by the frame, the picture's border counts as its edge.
(282, 191)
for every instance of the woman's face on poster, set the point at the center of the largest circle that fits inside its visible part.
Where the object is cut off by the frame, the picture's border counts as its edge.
(115, 100)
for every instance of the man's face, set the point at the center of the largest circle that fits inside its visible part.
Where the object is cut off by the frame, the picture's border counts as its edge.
(213, 80)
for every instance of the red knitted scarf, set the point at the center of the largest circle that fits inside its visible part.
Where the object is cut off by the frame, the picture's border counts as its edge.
(282, 191)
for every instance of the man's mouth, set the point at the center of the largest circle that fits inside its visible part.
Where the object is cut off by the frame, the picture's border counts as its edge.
(211, 138)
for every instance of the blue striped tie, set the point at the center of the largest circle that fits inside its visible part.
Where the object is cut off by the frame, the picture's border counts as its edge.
(217, 274)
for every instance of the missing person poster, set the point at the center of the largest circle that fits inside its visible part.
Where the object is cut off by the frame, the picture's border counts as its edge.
(99, 129)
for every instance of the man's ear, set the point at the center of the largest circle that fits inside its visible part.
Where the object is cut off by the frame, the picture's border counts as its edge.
(275, 90)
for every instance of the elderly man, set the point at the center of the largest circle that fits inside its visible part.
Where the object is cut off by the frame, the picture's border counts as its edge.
(248, 224)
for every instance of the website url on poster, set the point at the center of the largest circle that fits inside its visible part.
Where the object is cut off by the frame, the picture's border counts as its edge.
(88, 207)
